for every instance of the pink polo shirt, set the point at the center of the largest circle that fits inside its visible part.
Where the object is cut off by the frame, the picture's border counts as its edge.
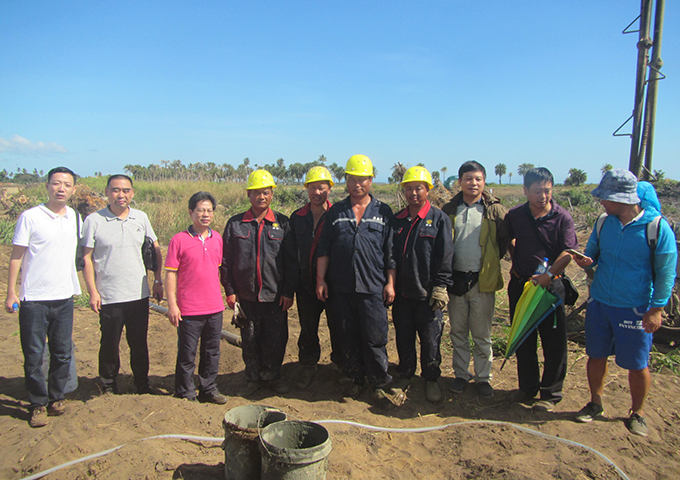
(196, 261)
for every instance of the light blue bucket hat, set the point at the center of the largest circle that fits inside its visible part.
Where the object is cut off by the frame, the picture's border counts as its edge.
(618, 185)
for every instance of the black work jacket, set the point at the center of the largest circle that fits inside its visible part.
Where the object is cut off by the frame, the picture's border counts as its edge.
(258, 261)
(306, 240)
(360, 255)
(423, 250)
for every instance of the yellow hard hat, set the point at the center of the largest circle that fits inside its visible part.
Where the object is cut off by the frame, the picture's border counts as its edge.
(260, 179)
(359, 165)
(318, 174)
(418, 174)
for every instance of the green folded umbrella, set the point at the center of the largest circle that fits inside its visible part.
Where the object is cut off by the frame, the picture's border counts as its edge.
(534, 306)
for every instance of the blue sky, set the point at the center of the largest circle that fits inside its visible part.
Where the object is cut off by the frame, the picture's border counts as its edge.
(98, 85)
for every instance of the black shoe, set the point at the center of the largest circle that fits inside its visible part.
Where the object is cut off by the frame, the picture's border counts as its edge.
(520, 396)
(485, 389)
(147, 390)
(279, 386)
(212, 397)
(356, 388)
(305, 376)
(458, 385)
(110, 390)
(249, 389)
(588, 413)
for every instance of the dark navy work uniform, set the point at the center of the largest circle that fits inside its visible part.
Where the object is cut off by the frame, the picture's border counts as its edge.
(309, 306)
(360, 256)
(423, 250)
(259, 266)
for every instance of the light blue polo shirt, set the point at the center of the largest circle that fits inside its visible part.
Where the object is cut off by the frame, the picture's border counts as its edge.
(119, 270)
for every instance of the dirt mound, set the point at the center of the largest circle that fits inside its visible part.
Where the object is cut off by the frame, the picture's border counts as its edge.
(87, 201)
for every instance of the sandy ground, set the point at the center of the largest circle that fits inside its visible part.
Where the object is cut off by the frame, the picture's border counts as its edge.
(466, 450)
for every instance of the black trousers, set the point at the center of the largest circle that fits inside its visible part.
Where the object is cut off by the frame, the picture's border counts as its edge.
(263, 339)
(362, 326)
(192, 328)
(309, 310)
(413, 317)
(553, 332)
(134, 316)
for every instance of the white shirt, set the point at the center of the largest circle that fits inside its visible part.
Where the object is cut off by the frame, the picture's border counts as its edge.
(48, 270)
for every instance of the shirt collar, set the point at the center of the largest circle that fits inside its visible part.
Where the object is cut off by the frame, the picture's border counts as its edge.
(305, 210)
(110, 216)
(463, 202)
(193, 233)
(52, 214)
(248, 217)
(637, 217)
(421, 214)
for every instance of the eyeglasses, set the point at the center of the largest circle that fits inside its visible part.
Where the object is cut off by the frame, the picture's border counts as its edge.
(201, 212)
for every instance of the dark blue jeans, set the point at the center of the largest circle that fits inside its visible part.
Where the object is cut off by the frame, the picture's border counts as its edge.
(553, 332)
(411, 317)
(38, 321)
(264, 339)
(134, 316)
(192, 328)
(362, 327)
(309, 311)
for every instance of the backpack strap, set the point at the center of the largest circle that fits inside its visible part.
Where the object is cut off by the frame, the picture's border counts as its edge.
(652, 233)
(599, 225)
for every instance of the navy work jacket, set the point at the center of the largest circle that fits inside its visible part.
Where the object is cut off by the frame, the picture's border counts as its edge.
(423, 250)
(306, 240)
(360, 255)
(258, 261)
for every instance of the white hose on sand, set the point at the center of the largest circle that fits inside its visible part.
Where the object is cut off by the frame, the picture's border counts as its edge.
(344, 422)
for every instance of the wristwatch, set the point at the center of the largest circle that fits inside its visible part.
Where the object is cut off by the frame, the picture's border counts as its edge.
(158, 282)
(549, 274)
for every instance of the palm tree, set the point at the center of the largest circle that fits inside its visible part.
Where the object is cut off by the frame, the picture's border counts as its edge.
(576, 177)
(606, 167)
(524, 168)
(500, 170)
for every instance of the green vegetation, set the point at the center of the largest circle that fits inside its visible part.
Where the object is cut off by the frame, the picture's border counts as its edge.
(658, 362)
(576, 177)
(6, 231)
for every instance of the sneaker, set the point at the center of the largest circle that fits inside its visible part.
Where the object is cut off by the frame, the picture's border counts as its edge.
(356, 388)
(588, 413)
(279, 386)
(637, 425)
(56, 409)
(432, 392)
(38, 417)
(249, 389)
(381, 399)
(485, 389)
(458, 385)
(305, 377)
(543, 406)
(212, 397)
